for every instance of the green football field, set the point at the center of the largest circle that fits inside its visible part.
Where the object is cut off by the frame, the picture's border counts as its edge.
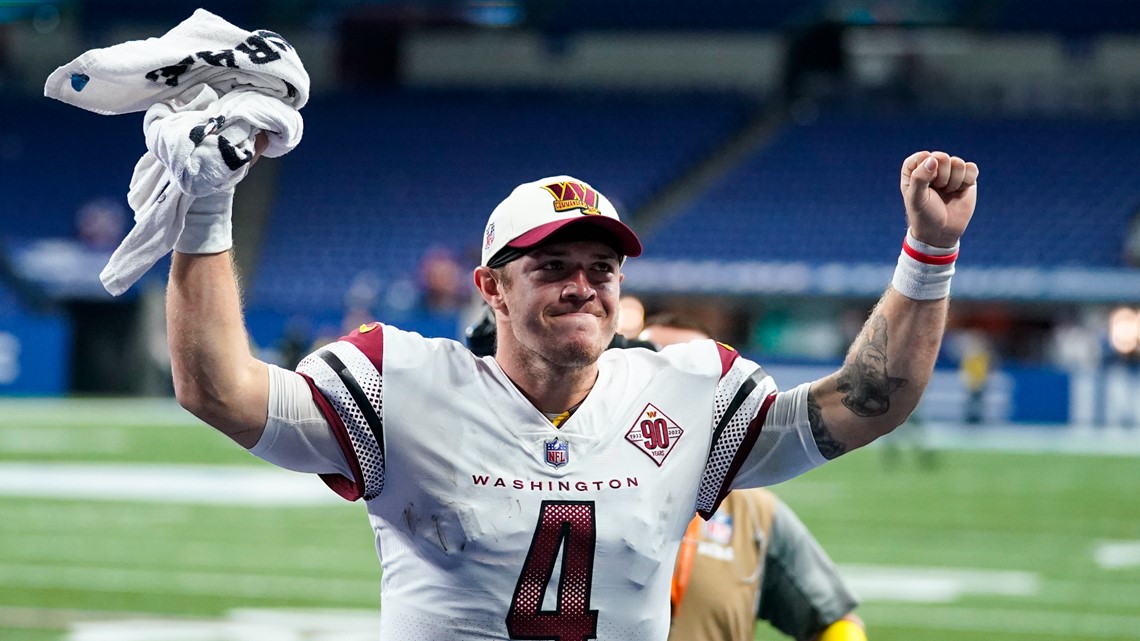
(128, 520)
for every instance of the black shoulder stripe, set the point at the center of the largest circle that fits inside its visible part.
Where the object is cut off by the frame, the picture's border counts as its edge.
(370, 416)
(742, 393)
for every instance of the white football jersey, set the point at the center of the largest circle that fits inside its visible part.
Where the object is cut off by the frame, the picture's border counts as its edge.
(492, 523)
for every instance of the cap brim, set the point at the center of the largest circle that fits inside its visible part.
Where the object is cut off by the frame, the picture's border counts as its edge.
(627, 242)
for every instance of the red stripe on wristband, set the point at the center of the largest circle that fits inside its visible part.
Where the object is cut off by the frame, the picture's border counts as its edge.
(927, 258)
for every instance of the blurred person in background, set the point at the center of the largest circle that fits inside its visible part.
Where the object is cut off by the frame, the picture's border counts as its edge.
(974, 364)
(911, 439)
(442, 282)
(101, 223)
(754, 559)
(631, 316)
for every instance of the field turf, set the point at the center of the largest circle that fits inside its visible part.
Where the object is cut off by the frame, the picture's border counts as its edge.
(981, 545)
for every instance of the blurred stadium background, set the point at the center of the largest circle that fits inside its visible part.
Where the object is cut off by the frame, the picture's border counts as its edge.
(753, 144)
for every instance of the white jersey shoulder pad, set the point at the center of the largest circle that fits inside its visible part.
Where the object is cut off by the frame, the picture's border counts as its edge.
(348, 376)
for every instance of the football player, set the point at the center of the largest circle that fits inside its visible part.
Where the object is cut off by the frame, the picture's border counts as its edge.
(543, 493)
(753, 559)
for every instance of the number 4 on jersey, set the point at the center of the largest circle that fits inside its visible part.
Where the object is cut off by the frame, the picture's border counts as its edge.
(566, 526)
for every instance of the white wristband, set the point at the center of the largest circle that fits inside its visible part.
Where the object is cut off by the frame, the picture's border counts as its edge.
(208, 228)
(924, 271)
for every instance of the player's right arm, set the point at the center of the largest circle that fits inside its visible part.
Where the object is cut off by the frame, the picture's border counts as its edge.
(216, 376)
(265, 409)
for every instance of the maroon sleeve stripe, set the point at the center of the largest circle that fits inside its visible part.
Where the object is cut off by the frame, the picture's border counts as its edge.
(746, 445)
(349, 489)
(728, 356)
(370, 343)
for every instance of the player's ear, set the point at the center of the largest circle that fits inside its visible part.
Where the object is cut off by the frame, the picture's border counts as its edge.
(489, 286)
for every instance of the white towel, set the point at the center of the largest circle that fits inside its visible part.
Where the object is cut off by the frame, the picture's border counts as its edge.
(203, 50)
(202, 118)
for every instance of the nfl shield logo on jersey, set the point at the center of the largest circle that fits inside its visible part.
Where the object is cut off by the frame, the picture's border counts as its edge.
(557, 452)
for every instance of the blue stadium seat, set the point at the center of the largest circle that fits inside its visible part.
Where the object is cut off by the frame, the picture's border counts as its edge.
(1055, 192)
(380, 179)
(54, 158)
(9, 304)
(1089, 18)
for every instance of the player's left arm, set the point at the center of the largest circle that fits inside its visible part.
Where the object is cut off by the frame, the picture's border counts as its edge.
(891, 361)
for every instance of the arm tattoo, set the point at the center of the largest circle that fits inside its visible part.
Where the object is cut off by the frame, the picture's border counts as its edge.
(828, 446)
(864, 378)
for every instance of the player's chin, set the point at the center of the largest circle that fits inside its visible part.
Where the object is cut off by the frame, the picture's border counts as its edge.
(580, 351)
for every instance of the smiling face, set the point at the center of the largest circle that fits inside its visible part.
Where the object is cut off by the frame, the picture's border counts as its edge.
(561, 302)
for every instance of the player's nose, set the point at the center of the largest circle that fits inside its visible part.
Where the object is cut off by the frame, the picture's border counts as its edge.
(578, 286)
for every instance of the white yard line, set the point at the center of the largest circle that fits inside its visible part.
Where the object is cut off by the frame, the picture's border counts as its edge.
(241, 625)
(1035, 439)
(264, 486)
(1117, 555)
(936, 585)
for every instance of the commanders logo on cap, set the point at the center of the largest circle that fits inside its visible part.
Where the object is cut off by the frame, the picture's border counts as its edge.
(572, 195)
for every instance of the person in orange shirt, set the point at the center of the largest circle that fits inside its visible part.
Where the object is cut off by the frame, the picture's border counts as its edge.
(754, 559)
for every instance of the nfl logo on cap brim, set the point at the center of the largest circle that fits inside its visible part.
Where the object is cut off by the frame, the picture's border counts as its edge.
(557, 452)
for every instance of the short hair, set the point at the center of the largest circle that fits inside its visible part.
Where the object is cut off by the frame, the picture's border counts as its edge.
(501, 275)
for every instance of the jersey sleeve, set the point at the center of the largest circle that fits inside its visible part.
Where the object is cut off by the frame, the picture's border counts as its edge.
(347, 383)
(761, 436)
(802, 591)
(297, 435)
(786, 447)
(742, 399)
